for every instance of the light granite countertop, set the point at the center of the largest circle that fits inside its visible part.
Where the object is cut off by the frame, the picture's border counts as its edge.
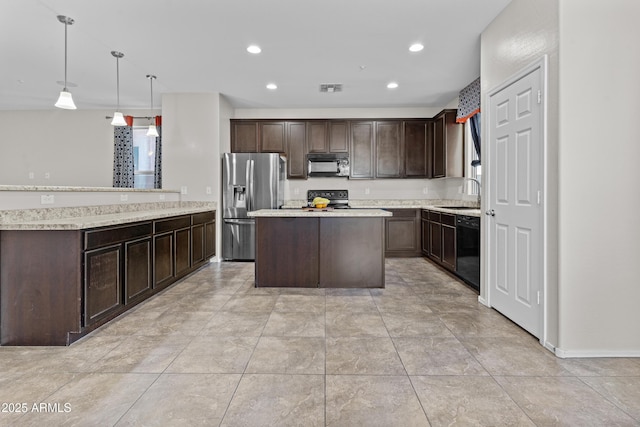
(432, 204)
(299, 212)
(98, 220)
(63, 188)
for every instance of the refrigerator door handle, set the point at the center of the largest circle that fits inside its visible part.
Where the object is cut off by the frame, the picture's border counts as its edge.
(250, 185)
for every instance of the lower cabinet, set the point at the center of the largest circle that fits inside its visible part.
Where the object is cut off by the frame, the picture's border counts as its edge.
(402, 233)
(87, 277)
(102, 283)
(439, 238)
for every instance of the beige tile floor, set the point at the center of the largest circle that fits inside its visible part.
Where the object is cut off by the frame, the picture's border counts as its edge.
(213, 350)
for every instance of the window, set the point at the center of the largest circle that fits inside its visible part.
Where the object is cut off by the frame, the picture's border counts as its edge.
(474, 172)
(144, 158)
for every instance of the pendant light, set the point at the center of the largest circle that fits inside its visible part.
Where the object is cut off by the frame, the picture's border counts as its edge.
(153, 131)
(118, 118)
(65, 100)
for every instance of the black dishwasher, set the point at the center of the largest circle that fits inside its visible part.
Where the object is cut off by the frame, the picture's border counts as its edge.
(468, 249)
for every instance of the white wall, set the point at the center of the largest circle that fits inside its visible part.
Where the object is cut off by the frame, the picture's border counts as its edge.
(520, 35)
(593, 238)
(74, 147)
(190, 145)
(598, 183)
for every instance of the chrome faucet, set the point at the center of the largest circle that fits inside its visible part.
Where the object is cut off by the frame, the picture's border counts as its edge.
(479, 187)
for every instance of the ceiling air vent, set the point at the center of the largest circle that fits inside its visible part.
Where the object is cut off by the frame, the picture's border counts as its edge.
(330, 88)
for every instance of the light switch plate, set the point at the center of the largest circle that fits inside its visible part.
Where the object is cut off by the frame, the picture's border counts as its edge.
(124, 197)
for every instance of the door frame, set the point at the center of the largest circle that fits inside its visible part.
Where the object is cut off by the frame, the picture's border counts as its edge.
(542, 64)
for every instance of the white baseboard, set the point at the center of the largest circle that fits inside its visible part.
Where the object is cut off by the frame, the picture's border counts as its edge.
(595, 353)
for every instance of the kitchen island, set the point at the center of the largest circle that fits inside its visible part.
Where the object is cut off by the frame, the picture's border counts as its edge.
(342, 248)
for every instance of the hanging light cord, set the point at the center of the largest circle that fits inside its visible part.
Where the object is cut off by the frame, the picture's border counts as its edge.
(118, 82)
(66, 22)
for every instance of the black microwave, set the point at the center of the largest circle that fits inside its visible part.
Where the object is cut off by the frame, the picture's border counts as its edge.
(327, 164)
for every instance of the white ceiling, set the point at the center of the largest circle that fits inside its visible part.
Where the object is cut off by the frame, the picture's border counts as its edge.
(200, 46)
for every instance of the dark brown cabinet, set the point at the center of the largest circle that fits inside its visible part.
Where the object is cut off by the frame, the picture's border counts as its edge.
(138, 276)
(244, 136)
(102, 283)
(296, 140)
(448, 145)
(338, 136)
(272, 137)
(202, 237)
(99, 274)
(328, 136)
(389, 150)
(439, 238)
(418, 148)
(117, 268)
(362, 152)
(402, 233)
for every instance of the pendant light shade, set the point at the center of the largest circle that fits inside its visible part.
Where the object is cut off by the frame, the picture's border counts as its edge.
(65, 100)
(152, 131)
(118, 118)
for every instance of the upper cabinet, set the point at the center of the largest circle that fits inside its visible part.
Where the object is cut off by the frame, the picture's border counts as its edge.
(244, 136)
(361, 153)
(296, 151)
(418, 148)
(272, 137)
(393, 148)
(448, 146)
(389, 150)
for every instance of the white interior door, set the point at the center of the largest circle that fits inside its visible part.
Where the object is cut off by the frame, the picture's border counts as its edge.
(514, 210)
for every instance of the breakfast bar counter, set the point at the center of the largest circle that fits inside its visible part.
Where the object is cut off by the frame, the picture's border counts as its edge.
(341, 248)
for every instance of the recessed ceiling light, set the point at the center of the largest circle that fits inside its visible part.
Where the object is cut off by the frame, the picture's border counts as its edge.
(254, 49)
(392, 85)
(416, 47)
(272, 86)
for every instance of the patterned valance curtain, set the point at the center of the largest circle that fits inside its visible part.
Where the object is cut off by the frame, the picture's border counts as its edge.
(123, 154)
(469, 109)
(157, 176)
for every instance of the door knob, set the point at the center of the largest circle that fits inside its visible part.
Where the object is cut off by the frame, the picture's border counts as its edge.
(490, 212)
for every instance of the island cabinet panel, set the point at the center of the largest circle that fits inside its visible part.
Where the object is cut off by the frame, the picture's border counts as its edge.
(138, 278)
(244, 136)
(351, 253)
(418, 147)
(164, 271)
(203, 237)
(389, 149)
(448, 241)
(183, 251)
(362, 149)
(40, 306)
(402, 232)
(296, 150)
(287, 252)
(102, 283)
(272, 137)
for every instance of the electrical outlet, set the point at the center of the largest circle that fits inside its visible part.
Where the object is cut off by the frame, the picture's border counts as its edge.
(32, 175)
(296, 191)
(124, 197)
(207, 190)
(366, 191)
(183, 189)
(47, 199)
(460, 189)
(47, 175)
(425, 190)
(162, 197)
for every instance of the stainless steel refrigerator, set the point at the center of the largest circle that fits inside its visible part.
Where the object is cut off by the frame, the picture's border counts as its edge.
(250, 181)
